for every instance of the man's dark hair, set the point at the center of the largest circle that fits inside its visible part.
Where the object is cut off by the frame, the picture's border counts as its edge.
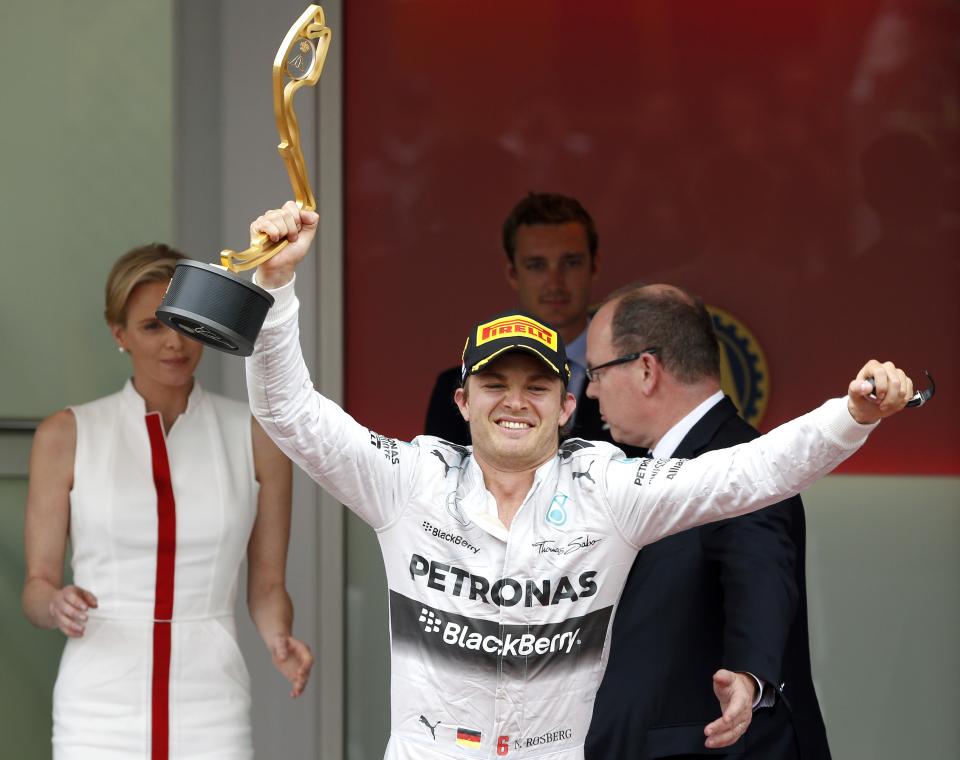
(671, 320)
(547, 208)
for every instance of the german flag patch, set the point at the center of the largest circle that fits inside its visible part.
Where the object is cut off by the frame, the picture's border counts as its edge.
(468, 738)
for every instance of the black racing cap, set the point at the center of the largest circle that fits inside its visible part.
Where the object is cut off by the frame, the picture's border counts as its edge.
(514, 331)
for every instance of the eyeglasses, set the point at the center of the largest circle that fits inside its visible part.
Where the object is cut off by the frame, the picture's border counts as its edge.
(593, 373)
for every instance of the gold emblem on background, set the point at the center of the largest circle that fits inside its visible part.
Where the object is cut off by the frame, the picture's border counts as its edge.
(744, 375)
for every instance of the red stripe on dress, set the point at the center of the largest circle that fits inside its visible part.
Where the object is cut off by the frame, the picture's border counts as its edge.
(163, 595)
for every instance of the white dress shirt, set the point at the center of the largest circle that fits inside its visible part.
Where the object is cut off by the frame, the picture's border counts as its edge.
(577, 356)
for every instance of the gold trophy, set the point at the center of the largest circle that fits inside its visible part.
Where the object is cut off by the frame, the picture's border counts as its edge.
(209, 302)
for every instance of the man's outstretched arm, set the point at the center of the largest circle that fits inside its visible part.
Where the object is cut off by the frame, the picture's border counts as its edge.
(653, 499)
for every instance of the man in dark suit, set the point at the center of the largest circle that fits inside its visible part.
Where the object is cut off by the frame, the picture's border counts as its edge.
(551, 246)
(725, 602)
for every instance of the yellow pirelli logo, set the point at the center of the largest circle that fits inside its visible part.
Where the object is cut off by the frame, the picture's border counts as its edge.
(516, 326)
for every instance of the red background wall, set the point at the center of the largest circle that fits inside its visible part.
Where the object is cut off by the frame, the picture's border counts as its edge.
(718, 145)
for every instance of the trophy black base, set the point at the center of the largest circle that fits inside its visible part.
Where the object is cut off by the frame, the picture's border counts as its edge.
(214, 306)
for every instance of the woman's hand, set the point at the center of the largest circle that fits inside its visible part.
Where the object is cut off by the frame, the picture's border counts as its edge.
(68, 608)
(294, 660)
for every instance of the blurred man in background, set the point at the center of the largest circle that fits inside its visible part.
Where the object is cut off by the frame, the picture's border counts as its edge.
(551, 245)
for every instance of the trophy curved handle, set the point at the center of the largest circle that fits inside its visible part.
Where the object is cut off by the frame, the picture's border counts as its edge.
(300, 59)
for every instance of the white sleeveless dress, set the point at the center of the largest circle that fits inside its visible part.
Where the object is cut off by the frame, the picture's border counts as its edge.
(159, 526)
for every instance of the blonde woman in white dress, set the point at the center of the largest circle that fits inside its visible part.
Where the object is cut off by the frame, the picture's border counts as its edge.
(162, 489)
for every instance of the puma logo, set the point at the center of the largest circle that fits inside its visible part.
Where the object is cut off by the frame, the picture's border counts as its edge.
(586, 473)
(446, 467)
(432, 728)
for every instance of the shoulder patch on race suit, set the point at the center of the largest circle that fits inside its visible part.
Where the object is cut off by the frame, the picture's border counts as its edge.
(452, 456)
(584, 474)
(388, 446)
(446, 465)
(649, 470)
(744, 375)
(571, 446)
(463, 451)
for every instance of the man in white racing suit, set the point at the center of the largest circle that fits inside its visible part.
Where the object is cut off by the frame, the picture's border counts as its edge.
(505, 560)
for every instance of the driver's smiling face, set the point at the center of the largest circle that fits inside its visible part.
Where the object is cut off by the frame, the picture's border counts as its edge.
(515, 406)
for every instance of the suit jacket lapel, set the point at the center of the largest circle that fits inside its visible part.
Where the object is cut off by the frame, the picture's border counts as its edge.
(701, 434)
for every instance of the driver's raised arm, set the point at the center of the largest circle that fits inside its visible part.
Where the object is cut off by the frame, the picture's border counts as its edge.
(367, 472)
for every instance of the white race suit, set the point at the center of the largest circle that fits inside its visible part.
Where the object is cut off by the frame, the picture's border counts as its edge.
(499, 637)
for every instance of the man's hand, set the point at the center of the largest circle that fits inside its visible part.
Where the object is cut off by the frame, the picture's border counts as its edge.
(735, 692)
(291, 223)
(893, 390)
